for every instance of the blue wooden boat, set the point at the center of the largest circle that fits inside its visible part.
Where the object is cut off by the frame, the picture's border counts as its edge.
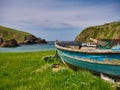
(96, 60)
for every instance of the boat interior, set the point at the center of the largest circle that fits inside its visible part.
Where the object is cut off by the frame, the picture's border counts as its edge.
(91, 48)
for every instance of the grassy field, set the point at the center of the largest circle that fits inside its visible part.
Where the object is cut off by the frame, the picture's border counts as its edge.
(28, 71)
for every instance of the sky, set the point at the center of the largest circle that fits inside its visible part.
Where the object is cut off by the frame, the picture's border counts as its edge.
(57, 19)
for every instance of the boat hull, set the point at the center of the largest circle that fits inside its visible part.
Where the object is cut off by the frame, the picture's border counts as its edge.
(71, 58)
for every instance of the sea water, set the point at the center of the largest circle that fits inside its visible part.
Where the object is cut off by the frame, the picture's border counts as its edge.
(30, 48)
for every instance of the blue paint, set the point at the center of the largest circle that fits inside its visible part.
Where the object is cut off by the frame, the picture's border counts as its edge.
(104, 68)
(94, 57)
(74, 59)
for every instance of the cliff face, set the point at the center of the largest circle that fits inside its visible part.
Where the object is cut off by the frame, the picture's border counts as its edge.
(106, 31)
(8, 34)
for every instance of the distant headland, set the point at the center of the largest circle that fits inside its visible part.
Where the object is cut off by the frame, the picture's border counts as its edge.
(11, 37)
(106, 31)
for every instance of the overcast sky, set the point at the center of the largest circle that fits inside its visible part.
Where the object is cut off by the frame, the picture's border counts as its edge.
(57, 19)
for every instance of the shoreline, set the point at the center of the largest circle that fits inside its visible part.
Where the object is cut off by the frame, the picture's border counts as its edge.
(29, 51)
(29, 48)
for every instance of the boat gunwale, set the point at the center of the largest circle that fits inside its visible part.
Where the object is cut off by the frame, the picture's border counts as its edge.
(85, 51)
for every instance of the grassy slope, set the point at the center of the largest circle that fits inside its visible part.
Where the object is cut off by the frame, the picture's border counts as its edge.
(8, 33)
(28, 71)
(106, 31)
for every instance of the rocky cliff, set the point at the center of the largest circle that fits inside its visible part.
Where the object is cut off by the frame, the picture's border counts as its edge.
(106, 31)
(11, 37)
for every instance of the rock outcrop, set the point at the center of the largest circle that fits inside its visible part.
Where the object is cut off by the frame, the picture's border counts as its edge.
(32, 40)
(20, 37)
(9, 43)
(1, 41)
(14, 43)
(39, 40)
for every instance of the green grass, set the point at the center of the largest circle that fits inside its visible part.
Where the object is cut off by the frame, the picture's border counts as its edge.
(106, 31)
(28, 71)
(9, 33)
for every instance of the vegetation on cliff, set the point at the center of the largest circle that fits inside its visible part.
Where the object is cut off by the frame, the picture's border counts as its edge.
(8, 34)
(106, 31)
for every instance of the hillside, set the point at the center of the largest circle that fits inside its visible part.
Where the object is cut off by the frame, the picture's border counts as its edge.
(11, 37)
(8, 33)
(106, 31)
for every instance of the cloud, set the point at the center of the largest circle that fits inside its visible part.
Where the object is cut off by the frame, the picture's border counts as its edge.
(26, 22)
(74, 15)
(66, 24)
(57, 15)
